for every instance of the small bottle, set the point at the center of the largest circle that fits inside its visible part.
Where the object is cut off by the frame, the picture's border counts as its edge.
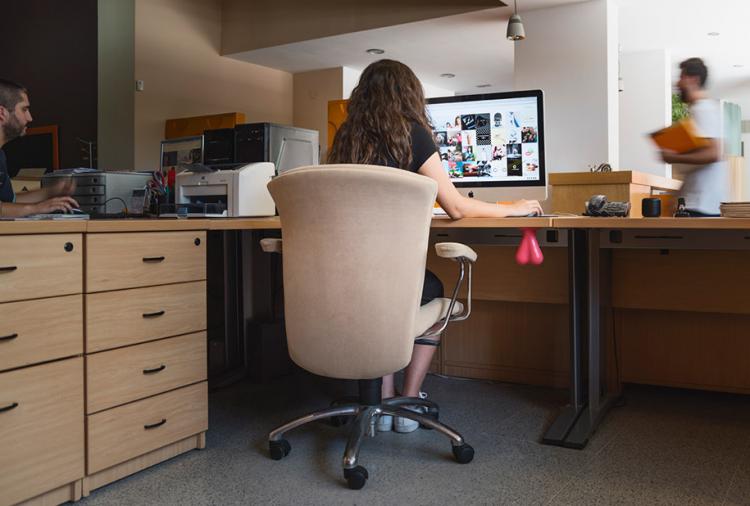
(682, 211)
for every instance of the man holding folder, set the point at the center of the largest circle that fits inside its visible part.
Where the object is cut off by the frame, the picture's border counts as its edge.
(706, 183)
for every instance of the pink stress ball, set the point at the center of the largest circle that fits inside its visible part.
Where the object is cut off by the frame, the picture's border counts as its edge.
(529, 251)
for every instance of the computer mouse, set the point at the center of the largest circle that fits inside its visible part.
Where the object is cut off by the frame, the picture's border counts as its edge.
(75, 210)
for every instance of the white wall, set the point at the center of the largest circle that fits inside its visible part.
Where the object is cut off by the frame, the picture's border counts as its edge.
(645, 106)
(351, 78)
(312, 92)
(571, 53)
(177, 44)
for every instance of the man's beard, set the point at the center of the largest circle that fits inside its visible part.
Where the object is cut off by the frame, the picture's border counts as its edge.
(683, 96)
(13, 129)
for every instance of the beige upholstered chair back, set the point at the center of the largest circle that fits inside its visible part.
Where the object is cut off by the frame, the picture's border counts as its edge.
(355, 243)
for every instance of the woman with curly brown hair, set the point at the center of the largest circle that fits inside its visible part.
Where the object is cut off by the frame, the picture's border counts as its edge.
(387, 124)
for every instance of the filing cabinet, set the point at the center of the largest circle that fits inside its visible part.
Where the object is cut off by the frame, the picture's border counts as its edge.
(145, 350)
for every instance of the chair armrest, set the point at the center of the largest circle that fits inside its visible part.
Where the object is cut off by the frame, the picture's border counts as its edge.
(271, 245)
(465, 256)
(455, 250)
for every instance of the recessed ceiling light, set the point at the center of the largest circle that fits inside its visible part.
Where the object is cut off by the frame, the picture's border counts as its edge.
(713, 34)
(375, 50)
(448, 75)
(486, 85)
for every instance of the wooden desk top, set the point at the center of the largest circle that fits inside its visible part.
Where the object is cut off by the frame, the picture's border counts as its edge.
(41, 227)
(273, 223)
(654, 223)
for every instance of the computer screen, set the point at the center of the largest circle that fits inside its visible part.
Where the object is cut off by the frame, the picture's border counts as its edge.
(492, 144)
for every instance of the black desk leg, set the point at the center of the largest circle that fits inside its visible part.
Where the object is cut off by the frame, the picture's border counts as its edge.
(578, 421)
(577, 277)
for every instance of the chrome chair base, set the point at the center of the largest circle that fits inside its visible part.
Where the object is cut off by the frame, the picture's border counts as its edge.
(363, 424)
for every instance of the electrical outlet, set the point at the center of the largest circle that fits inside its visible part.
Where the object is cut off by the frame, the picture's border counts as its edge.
(139, 85)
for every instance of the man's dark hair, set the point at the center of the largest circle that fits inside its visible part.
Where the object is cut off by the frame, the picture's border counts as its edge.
(10, 94)
(696, 68)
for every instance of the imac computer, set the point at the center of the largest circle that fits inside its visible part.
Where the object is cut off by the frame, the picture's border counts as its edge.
(492, 145)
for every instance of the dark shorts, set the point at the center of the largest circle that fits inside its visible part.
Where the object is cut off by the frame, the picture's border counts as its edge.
(433, 288)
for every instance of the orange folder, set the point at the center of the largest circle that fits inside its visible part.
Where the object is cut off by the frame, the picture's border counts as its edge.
(680, 137)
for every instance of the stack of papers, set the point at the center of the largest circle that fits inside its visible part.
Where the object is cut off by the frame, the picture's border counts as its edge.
(735, 209)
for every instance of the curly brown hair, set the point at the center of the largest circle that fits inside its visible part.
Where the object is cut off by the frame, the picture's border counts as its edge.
(384, 107)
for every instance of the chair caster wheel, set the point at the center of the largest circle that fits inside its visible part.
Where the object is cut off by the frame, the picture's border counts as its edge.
(356, 477)
(463, 454)
(279, 449)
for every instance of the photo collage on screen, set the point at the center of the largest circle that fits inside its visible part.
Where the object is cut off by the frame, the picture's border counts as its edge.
(489, 140)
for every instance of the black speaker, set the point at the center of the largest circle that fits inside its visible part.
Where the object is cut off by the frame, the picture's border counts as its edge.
(651, 208)
(251, 143)
(218, 146)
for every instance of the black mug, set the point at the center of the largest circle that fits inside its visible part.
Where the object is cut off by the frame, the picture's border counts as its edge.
(651, 208)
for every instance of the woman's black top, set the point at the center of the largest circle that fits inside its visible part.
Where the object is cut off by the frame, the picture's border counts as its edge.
(422, 147)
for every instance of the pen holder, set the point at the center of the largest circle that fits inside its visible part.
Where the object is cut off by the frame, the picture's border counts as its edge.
(529, 251)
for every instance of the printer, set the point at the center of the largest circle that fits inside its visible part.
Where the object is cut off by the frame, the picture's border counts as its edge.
(240, 191)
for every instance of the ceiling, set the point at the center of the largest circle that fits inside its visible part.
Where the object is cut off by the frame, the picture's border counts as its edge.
(473, 46)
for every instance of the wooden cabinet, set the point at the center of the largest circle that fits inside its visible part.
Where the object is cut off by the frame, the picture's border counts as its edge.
(125, 317)
(130, 260)
(38, 266)
(41, 430)
(146, 363)
(42, 452)
(121, 434)
(119, 376)
(26, 339)
(138, 326)
(571, 190)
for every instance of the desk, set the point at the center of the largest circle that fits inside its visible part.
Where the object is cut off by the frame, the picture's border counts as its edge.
(607, 255)
(120, 345)
(88, 401)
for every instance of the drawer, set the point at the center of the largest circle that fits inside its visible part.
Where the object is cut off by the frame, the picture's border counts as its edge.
(42, 436)
(120, 434)
(129, 260)
(36, 266)
(25, 338)
(133, 316)
(128, 374)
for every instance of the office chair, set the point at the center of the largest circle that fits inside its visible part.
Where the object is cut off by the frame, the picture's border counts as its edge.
(355, 241)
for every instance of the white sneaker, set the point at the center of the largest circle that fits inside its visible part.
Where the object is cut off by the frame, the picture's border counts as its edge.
(406, 425)
(384, 423)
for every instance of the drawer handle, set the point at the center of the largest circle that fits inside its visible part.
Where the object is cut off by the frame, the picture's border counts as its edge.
(153, 259)
(154, 315)
(155, 369)
(155, 425)
(8, 407)
(9, 268)
(8, 337)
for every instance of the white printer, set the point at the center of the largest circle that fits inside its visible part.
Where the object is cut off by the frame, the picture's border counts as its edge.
(241, 191)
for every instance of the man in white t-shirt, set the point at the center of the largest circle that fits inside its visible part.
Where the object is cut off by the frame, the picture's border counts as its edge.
(706, 183)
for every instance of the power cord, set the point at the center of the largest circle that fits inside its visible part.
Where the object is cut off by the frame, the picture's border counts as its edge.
(124, 204)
